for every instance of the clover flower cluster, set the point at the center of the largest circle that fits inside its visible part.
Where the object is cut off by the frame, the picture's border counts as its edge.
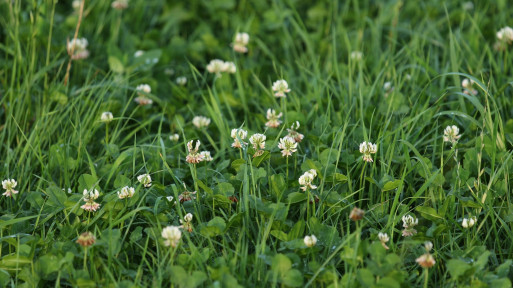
(451, 134)
(280, 87)
(126, 192)
(258, 142)
(408, 223)
(218, 66)
(201, 121)
(367, 148)
(238, 136)
(89, 196)
(426, 260)
(142, 91)
(240, 42)
(306, 180)
(77, 48)
(288, 146)
(9, 185)
(273, 119)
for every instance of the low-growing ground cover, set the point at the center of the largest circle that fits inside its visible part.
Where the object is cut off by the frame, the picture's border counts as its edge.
(226, 143)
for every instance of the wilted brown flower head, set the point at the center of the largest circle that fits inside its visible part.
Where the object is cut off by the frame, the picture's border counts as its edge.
(86, 239)
(356, 214)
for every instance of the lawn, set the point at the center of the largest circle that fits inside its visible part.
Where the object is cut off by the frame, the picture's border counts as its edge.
(283, 143)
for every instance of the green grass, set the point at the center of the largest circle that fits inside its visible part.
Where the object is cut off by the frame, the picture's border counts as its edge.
(52, 139)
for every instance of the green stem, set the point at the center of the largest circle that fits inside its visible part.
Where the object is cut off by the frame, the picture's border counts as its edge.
(426, 274)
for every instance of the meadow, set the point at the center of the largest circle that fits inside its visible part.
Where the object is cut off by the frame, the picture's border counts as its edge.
(269, 143)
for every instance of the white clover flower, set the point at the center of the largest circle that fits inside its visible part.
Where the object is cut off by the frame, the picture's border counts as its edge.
(216, 66)
(287, 146)
(298, 137)
(172, 235)
(206, 156)
(383, 238)
(77, 48)
(139, 53)
(182, 81)
(408, 223)
(229, 67)
(188, 217)
(106, 117)
(306, 180)
(238, 135)
(258, 142)
(356, 55)
(240, 42)
(169, 71)
(310, 241)
(428, 246)
(126, 192)
(174, 137)
(451, 134)
(200, 121)
(90, 195)
(469, 222)
(273, 118)
(120, 4)
(367, 148)
(505, 35)
(280, 87)
(468, 86)
(187, 222)
(142, 91)
(144, 179)
(194, 157)
(144, 88)
(76, 4)
(9, 185)
(468, 6)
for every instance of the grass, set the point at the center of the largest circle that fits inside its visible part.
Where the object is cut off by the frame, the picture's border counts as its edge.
(250, 216)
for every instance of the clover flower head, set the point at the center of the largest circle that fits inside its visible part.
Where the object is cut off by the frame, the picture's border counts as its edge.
(142, 91)
(201, 121)
(280, 87)
(90, 206)
(194, 157)
(298, 137)
(76, 4)
(86, 239)
(356, 214)
(186, 195)
(451, 134)
(310, 241)
(91, 194)
(468, 88)
(9, 185)
(238, 135)
(383, 238)
(273, 118)
(77, 48)
(187, 222)
(229, 67)
(468, 6)
(258, 142)
(469, 222)
(367, 148)
(426, 260)
(120, 4)
(144, 179)
(171, 235)
(182, 81)
(288, 146)
(240, 42)
(505, 35)
(106, 117)
(138, 53)
(408, 223)
(215, 66)
(356, 55)
(126, 192)
(306, 180)
(174, 137)
(206, 156)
